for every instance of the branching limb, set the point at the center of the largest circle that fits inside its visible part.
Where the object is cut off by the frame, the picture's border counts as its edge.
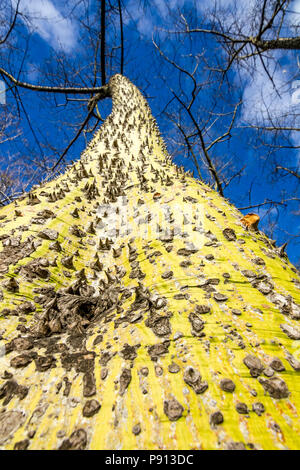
(190, 149)
(12, 25)
(288, 170)
(103, 91)
(73, 140)
(122, 36)
(211, 167)
(103, 72)
(226, 134)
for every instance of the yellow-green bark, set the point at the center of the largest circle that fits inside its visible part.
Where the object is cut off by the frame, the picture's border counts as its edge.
(150, 397)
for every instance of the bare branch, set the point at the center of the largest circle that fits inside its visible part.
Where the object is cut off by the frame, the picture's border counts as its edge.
(12, 25)
(227, 133)
(103, 91)
(261, 204)
(288, 170)
(122, 36)
(103, 73)
(211, 166)
(190, 148)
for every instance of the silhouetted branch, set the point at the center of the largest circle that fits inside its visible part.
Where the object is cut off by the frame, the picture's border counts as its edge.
(122, 36)
(103, 74)
(288, 170)
(103, 91)
(12, 25)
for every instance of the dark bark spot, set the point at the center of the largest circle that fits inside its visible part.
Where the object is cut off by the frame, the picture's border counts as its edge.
(11, 285)
(26, 307)
(220, 297)
(193, 378)
(235, 446)
(67, 262)
(104, 373)
(75, 230)
(13, 254)
(229, 234)
(258, 261)
(98, 340)
(81, 362)
(277, 365)
(22, 445)
(158, 371)
(21, 361)
(216, 418)
(202, 309)
(10, 421)
(89, 384)
(77, 441)
(55, 246)
(76, 342)
(125, 379)
(160, 325)
(197, 324)
(242, 408)
(275, 386)
(185, 263)
(19, 344)
(167, 275)
(10, 389)
(235, 311)
(48, 234)
(227, 385)
(67, 388)
(158, 350)
(185, 252)
(173, 368)
(264, 287)
(44, 363)
(173, 409)
(106, 356)
(129, 352)
(290, 331)
(144, 371)
(254, 364)
(136, 430)
(258, 408)
(35, 269)
(293, 362)
(46, 214)
(90, 408)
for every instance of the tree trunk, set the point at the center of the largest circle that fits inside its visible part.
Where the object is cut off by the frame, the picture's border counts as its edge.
(138, 313)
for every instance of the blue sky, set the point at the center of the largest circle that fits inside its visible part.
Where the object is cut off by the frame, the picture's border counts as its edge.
(54, 38)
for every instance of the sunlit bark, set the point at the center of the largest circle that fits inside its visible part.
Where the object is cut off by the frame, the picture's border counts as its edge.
(138, 312)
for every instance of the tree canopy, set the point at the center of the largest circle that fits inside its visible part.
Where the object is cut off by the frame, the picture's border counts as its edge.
(221, 78)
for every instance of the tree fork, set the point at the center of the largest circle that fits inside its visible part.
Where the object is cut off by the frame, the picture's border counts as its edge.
(137, 312)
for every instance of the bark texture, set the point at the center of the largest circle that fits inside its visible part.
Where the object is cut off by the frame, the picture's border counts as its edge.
(136, 310)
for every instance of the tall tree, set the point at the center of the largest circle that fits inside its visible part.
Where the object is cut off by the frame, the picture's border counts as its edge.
(221, 115)
(138, 312)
